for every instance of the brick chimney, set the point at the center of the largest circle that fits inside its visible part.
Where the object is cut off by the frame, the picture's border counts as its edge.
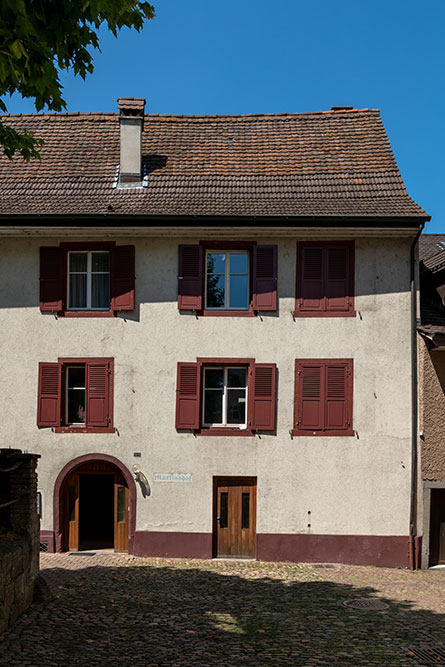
(131, 120)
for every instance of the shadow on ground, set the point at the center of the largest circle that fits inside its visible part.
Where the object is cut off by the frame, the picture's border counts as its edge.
(157, 615)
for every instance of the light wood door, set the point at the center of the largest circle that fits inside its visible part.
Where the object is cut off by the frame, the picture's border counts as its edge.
(120, 516)
(235, 517)
(73, 500)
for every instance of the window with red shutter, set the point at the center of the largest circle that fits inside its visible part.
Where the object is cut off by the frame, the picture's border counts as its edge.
(187, 396)
(263, 401)
(265, 277)
(190, 277)
(325, 279)
(323, 397)
(123, 278)
(51, 279)
(76, 395)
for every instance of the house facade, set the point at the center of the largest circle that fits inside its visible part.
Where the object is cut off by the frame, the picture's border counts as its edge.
(207, 328)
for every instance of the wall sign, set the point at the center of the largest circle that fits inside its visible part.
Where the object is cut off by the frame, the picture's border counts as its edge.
(172, 477)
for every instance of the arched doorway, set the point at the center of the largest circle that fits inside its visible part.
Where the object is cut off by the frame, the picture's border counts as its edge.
(94, 505)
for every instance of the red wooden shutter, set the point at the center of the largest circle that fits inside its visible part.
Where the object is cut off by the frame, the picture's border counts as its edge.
(309, 387)
(336, 407)
(265, 277)
(51, 280)
(262, 404)
(337, 278)
(123, 278)
(187, 396)
(49, 394)
(97, 393)
(312, 296)
(190, 278)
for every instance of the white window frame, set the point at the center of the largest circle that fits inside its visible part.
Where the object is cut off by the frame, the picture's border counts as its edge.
(89, 274)
(224, 397)
(227, 253)
(67, 369)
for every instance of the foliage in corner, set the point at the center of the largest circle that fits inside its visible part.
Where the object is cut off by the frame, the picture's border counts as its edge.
(40, 38)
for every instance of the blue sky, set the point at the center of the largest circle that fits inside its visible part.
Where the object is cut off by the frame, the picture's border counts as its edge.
(253, 56)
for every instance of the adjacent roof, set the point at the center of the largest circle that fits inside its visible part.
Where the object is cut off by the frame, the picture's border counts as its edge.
(336, 163)
(432, 285)
(430, 244)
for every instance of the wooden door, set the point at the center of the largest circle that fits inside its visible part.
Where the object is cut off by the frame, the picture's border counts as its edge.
(72, 505)
(235, 517)
(120, 515)
(437, 529)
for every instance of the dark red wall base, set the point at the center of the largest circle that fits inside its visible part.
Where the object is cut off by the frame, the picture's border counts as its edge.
(48, 536)
(382, 550)
(173, 545)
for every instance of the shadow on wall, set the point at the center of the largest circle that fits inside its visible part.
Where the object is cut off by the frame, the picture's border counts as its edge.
(438, 361)
(146, 615)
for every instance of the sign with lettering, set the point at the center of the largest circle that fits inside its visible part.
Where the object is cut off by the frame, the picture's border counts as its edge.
(172, 477)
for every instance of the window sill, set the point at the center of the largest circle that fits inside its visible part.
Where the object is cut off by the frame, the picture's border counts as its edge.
(86, 429)
(225, 430)
(311, 434)
(317, 313)
(88, 313)
(226, 313)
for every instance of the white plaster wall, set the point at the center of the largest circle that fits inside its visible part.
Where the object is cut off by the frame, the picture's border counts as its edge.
(351, 485)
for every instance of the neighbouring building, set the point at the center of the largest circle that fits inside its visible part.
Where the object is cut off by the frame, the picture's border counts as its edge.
(207, 329)
(432, 398)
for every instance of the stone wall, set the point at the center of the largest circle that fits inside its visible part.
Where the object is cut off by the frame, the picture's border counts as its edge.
(432, 416)
(19, 534)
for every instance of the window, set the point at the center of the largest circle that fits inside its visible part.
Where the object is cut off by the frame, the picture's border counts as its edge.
(87, 279)
(214, 279)
(76, 395)
(225, 396)
(323, 397)
(325, 279)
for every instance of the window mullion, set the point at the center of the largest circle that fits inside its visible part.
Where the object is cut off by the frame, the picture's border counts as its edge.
(89, 265)
(225, 398)
(227, 281)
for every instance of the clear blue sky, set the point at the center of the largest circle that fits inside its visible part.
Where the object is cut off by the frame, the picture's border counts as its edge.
(253, 56)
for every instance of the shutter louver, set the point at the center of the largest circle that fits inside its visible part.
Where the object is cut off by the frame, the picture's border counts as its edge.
(263, 390)
(187, 396)
(337, 278)
(310, 379)
(190, 278)
(97, 393)
(51, 283)
(311, 295)
(336, 397)
(265, 277)
(49, 394)
(123, 278)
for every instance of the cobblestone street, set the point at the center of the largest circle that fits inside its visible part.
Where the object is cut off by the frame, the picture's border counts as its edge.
(109, 609)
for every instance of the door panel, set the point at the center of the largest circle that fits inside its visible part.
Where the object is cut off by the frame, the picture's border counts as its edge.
(73, 493)
(120, 516)
(235, 517)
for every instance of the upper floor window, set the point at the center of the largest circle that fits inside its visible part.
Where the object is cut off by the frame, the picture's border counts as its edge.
(325, 279)
(227, 280)
(225, 397)
(220, 279)
(87, 279)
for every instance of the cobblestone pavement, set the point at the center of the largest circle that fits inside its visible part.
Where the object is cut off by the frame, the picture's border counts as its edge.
(110, 609)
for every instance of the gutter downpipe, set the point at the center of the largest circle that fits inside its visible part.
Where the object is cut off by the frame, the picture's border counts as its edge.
(414, 402)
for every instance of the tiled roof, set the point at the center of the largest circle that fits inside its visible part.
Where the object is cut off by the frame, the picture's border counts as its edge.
(336, 163)
(430, 244)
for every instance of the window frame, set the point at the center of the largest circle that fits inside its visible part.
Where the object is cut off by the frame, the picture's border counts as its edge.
(225, 369)
(65, 363)
(349, 399)
(299, 279)
(89, 274)
(227, 275)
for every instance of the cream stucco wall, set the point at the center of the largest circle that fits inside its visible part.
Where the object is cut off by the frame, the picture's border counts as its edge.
(351, 485)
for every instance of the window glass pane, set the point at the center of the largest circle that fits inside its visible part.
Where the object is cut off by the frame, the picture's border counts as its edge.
(215, 291)
(237, 377)
(213, 406)
(76, 395)
(214, 378)
(100, 261)
(78, 261)
(100, 288)
(245, 511)
(238, 292)
(216, 262)
(76, 377)
(224, 510)
(239, 263)
(78, 290)
(236, 406)
(121, 504)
